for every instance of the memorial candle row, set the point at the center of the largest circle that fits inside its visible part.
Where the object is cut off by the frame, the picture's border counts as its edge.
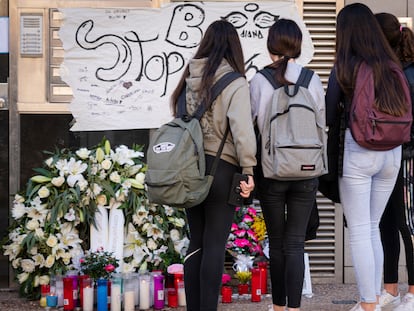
(123, 292)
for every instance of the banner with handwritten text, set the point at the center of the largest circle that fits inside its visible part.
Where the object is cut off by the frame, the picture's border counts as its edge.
(122, 64)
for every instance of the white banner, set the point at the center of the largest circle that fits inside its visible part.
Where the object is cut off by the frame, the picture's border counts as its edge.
(123, 64)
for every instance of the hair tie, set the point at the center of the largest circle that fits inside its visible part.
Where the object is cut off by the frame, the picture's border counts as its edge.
(401, 28)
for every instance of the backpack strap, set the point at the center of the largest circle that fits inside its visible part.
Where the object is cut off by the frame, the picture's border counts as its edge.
(304, 78)
(217, 88)
(268, 73)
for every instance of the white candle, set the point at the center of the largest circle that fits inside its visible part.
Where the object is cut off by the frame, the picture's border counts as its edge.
(129, 304)
(144, 294)
(136, 288)
(87, 299)
(115, 297)
(181, 297)
(59, 291)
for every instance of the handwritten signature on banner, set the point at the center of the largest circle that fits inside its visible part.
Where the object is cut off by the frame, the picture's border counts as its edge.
(122, 64)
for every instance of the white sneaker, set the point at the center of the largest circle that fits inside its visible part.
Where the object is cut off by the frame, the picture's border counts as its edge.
(407, 303)
(388, 302)
(357, 307)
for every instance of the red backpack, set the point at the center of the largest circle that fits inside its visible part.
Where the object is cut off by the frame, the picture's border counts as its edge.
(371, 128)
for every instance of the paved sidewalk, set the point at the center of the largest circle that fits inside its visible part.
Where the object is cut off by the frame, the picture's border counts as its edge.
(326, 297)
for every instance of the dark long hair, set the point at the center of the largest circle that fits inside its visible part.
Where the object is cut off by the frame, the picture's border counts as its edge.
(284, 40)
(221, 41)
(359, 38)
(400, 38)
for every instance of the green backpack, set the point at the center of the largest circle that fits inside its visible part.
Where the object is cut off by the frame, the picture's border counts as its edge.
(176, 174)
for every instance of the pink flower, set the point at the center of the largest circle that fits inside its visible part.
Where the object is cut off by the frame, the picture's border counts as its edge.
(242, 242)
(225, 278)
(247, 218)
(240, 232)
(109, 268)
(251, 234)
(252, 211)
(234, 226)
(82, 260)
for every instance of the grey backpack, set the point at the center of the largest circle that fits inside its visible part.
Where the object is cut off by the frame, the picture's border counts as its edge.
(176, 174)
(294, 135)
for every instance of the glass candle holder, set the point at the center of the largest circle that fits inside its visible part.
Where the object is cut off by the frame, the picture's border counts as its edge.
(256, 283)
(102, 295)
(226, 292)
(144, 292)
(172, 298)
(51, 300)
(169, 285)
(59, 289)
(159, 302)
(44, 291)
(181, 294)
(129, 291)
(87, 294)
(81, 280)
(116, 292)
(135, 277)
(68, 302)
(263, 276)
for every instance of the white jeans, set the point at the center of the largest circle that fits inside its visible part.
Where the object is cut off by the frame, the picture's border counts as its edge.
(367, 182)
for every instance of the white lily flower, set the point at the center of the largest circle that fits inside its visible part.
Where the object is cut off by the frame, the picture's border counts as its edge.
(83, 153)
(18, 210)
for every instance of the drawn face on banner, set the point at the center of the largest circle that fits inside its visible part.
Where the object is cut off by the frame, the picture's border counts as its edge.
(122, 64)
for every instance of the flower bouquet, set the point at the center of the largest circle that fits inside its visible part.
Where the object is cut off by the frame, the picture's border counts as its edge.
(244, 242)
(53, 216)
(99, 264)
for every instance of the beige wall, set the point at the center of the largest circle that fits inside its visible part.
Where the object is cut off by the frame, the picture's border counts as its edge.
(4, 8)
(400, 8)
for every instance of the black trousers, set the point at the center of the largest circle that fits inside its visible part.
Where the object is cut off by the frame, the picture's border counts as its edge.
(286, 207)
(393, 222)
(210, 224)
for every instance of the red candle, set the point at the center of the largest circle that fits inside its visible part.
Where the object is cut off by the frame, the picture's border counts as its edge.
(256, 291)
(172, 298)
(226, 292)
(178, 277)
(263, 276)
(68, 301)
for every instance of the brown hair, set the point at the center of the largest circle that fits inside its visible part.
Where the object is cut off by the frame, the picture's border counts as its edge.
(400, 38)
(359, 38)
(285, 40)
(221, 41)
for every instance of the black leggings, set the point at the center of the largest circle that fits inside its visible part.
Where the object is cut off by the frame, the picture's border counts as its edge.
(287, 206)
(392, 223)
(210, 224)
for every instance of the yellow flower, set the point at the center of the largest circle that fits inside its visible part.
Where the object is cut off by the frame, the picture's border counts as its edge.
(243, 276)
(259, 227)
